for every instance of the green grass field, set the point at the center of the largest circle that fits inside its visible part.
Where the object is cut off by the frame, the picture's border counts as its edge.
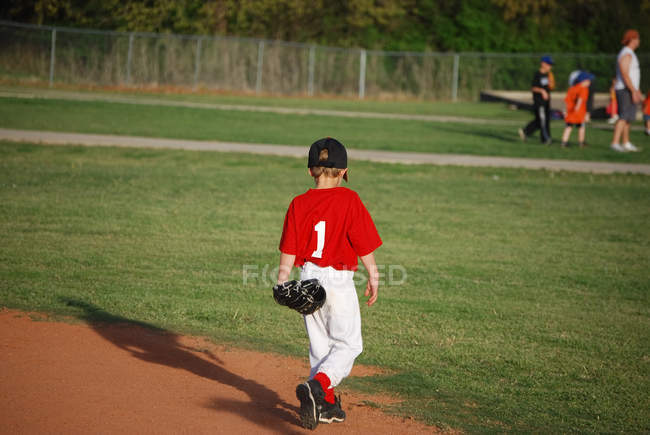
(408, 107)
(526, 306)
(289, 129)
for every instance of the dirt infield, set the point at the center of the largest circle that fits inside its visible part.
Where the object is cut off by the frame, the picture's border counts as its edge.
(122, 378)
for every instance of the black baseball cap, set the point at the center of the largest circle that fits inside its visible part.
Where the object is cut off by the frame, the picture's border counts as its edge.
(337, 156)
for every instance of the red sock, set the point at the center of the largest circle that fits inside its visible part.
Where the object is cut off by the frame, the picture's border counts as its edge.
(325, 383)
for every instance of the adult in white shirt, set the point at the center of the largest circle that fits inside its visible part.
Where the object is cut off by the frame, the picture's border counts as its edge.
(628, 95)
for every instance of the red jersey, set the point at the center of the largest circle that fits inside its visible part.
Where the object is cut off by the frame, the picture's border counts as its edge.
(646, 105)
(328, 227)
(574, 93)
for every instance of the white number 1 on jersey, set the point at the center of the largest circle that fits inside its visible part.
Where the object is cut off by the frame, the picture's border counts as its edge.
(320, 244)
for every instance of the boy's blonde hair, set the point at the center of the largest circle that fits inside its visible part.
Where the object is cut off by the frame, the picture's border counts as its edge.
(317, 171)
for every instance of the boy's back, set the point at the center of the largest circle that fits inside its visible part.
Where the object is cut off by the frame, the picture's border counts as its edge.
(328, 227)
(575, 92)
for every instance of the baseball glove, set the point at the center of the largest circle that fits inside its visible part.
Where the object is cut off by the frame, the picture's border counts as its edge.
(303, 296)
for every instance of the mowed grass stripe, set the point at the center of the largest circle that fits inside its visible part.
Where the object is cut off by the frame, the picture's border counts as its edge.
(435, 108)
(302, 130)
(525, 307)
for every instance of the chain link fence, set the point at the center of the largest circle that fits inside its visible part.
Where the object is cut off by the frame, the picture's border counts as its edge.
(57, 55)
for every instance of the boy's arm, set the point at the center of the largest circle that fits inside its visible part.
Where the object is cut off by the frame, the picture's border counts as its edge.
(540, 91)
(286, 263)
(373, 277)
(578, 103)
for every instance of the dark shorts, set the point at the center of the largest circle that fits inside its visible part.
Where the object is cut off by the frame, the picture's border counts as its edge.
(571, 124)
(626, 108)
(646, 117)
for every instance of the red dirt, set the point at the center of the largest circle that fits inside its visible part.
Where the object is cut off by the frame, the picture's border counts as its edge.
(120, 378)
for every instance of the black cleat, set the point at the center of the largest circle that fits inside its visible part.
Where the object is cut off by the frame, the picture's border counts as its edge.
(311, 395)
(332, 412)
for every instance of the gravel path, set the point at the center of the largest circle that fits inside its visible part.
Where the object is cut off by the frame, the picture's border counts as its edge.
(56, 138)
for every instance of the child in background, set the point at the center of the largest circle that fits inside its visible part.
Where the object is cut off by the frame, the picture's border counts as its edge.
(646, 113)
(541, 87)
(612, 107)
(576, 107)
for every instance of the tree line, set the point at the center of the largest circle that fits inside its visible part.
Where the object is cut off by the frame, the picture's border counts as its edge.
(585, 26)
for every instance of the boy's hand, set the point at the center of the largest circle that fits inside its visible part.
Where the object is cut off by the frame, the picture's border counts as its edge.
(371, 290)
(373, 277)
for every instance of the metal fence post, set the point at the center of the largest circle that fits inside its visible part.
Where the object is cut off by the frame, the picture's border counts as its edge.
(454, 80)
(197, 64)
(362, 74)
(312, 61)
(52, 57)
(129, 56)
(260, 61)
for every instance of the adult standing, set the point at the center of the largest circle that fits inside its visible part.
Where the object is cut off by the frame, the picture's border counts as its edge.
(542, 85)
(628, 95)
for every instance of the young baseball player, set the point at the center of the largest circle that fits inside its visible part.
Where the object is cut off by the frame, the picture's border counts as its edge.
(612, 107)
(576, 107)
(325, 230)
(646, 113)
(542, 85)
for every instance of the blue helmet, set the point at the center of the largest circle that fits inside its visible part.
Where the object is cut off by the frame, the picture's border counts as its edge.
(582, 76)
(547, 59)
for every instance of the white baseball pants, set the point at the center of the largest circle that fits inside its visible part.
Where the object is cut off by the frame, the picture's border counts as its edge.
(335, 330)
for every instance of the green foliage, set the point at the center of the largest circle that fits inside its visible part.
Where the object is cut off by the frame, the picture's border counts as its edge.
(439, 25)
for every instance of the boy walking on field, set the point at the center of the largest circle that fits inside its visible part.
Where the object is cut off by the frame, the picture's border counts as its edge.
(541, 86)
(576, 108)
(325, 230)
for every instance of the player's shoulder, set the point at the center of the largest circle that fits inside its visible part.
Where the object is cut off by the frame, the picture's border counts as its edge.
(301, 198)
(346, 191)
(347, 194)
(302, 195)
(625, 51)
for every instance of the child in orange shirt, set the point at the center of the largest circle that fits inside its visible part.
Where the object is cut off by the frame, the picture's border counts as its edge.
(612, 107)
(576, 108)
(646, 113)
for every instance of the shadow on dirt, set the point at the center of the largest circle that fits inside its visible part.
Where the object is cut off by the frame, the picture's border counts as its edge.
(158, 346)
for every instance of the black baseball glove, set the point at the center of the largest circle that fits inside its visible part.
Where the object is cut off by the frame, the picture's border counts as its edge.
(303, 296)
